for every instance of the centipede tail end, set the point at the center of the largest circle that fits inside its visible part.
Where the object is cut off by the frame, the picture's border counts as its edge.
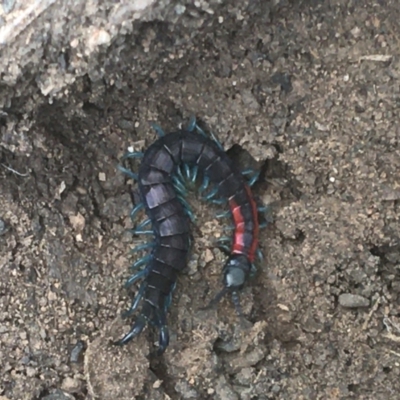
(136, 330)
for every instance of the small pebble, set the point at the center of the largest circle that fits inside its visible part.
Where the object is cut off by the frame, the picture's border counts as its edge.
(70, 385)
(349, 300)
(76, 352)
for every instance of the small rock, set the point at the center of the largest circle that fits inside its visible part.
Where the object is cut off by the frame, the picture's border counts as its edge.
(186, 390)
(77, 222)
(8, 6)
(208, 256)
(349, 300)
(224, 391)
(76, 352)
(246, 360)
(71, 385)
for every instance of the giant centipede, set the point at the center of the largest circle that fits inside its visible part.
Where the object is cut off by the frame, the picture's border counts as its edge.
(186, 154)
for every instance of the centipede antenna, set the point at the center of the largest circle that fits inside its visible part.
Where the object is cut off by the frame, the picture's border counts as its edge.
(263, 224)
(160, 132)
(236, 303)
(135, 302)
(136, 329)
(128, 172)
(135, 210)
(217, 298)
(142, 261)
(132, 155)
(134, 278)
(141, 247)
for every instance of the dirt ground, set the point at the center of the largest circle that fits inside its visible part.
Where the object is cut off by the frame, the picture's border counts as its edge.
(311, 90)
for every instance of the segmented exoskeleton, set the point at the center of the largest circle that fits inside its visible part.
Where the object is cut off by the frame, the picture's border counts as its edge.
(186, 154)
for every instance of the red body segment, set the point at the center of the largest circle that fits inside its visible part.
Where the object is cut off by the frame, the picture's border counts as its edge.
(245, 244)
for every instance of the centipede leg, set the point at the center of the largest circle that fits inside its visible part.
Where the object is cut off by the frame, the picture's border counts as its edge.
(163, 338)
(253, 270)
(135, 210)
(141, 247)
(139, 232)
(179, 186)
(236, 303)
(211, 194)
(224, 248)
(224, 239)
(168, 300)
(224, 214)
(132, 155)
(253, 179)
(259, 254)
(204, 185)
(143, 224)
(187, 171)
(218, 201)
(135, 302)
(128, 172)
(160, 132)
(139, 263)
(191, 124)
(254, 175)
(187, 208)
(135, 278)
(195, 171)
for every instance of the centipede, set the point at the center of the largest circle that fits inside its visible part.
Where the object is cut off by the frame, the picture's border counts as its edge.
(186, 155)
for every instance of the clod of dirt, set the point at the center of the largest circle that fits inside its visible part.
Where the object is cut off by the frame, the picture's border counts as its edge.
(116, 372)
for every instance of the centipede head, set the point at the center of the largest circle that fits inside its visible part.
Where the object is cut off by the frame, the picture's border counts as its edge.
(237, 270)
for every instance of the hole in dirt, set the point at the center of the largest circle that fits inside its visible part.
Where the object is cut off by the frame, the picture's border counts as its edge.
(352, 387)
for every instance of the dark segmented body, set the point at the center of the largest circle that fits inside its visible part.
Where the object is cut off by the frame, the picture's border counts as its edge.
(170, 221)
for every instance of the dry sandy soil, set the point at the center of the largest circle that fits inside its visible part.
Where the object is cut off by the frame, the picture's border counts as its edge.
(309, 89)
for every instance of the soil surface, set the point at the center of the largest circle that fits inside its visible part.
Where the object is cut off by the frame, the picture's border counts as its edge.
(311, 90)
